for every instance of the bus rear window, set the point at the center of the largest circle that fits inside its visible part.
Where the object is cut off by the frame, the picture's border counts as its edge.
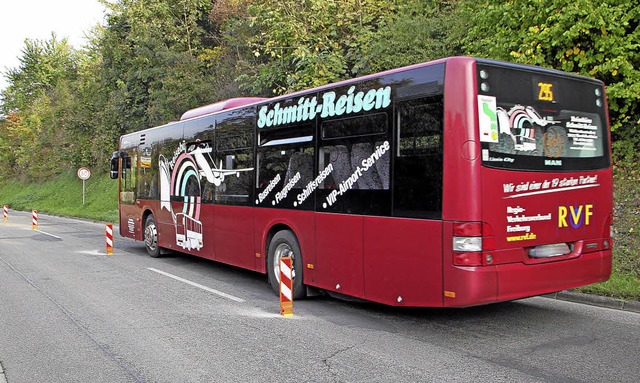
(541, 120)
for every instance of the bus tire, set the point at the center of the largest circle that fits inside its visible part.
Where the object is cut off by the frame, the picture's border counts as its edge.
(285, 244)
(151, 236)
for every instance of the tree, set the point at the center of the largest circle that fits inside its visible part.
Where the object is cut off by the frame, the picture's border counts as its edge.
(418, 31)
(309, 43)
(150, 51)
(34, 132)
(42, 65)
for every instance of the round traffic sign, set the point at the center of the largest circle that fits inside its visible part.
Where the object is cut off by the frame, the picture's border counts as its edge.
(84, 173)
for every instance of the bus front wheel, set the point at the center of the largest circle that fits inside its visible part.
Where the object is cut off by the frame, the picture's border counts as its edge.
(285, 244)
(151, 237)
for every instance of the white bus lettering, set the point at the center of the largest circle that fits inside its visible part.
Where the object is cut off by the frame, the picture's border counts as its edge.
(306, 109)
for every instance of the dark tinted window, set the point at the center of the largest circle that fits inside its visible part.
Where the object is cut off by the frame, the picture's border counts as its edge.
(354, 166)
(420, 128)
(355, 126)
(285, 168)
(418, 164)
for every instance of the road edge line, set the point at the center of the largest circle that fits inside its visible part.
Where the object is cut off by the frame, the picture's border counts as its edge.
(194, 284)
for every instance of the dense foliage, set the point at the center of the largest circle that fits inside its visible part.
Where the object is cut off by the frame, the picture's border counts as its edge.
(154, 59)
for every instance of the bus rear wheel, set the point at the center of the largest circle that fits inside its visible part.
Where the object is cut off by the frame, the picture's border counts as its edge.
(285, 244)
(151, 237)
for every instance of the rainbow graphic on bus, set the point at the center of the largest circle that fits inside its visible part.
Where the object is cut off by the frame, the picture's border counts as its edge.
(180, 181)
(523, 125)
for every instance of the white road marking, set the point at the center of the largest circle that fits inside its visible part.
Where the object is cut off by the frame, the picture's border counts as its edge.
(220, 293)
(258, 313)
(91, 252)
(45, 233)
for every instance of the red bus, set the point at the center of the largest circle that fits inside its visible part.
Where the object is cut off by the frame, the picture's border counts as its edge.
(451, 183)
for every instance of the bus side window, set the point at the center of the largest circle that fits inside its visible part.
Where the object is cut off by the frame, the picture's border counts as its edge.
(419, 158)
(285, 161)
(350, 144)
(340, 160)
(300, 163)
(355, 150)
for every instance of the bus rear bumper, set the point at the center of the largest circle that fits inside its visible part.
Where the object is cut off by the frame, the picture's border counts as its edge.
(482, 285)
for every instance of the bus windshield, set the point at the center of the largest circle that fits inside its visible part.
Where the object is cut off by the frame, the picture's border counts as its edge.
(540, 121)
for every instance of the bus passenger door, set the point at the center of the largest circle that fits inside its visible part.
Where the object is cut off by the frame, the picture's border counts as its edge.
(129, 212)
(234, 167)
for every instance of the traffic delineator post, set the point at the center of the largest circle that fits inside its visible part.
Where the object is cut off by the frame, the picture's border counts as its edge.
(109, 238)
(34, 220)
(286, 287)
(5, 213)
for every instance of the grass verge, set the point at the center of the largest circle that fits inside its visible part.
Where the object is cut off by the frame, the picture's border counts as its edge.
(63, 196)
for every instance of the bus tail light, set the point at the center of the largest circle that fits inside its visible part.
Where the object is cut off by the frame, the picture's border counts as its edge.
(471, 243)
(467, 258)
(467, 243)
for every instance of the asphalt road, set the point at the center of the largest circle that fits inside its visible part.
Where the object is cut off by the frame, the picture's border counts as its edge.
(71, 313)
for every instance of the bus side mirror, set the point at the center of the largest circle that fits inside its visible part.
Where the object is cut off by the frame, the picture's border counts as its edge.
(114, 165)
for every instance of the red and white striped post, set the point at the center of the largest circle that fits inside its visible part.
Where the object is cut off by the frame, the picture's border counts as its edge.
(5, 213)
(286, 287)
(34, 220)
(109, 238)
